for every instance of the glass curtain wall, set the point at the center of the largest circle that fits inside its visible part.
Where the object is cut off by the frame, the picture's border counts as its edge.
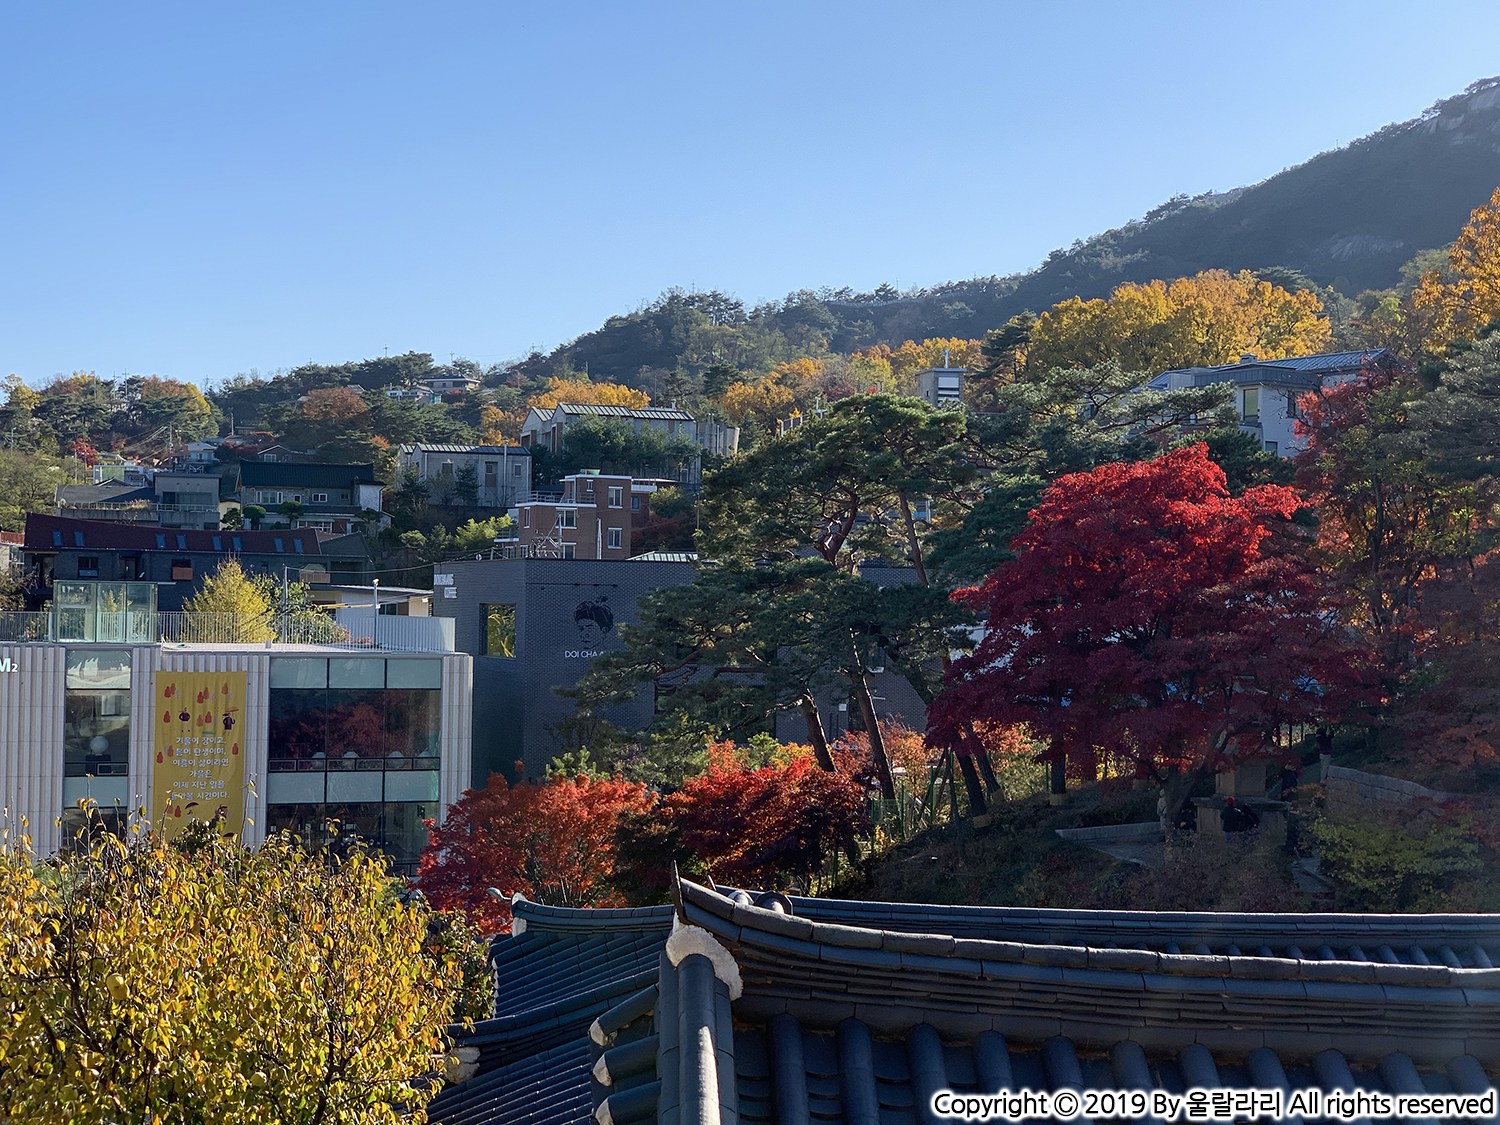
(363, 735)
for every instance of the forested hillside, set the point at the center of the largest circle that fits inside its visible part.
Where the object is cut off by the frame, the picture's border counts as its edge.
(1347, 220)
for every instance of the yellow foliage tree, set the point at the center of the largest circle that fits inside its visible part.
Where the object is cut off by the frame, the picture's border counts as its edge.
(1211, 318)
(584, 393)
(1464, 302)
(912, 357)
(199, 981)
(238, 607)
(760, 404)
(501, 427)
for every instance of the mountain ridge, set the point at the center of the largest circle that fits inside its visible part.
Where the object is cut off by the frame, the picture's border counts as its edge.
(1346, 219)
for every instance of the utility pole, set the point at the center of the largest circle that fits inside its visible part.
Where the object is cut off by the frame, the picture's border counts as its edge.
(375, 624)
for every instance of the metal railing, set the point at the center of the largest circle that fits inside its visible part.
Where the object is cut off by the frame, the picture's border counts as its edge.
(65, 626)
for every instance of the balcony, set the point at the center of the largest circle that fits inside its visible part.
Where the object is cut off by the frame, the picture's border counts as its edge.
(92, 626)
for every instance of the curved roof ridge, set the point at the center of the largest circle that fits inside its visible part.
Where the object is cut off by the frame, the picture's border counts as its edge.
(799, 936)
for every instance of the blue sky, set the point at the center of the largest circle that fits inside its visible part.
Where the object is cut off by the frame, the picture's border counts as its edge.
(192, 190)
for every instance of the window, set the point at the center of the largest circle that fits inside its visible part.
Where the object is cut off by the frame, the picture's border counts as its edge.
(490, 468)
(280, 545)
(161, 542)
(1251, 406)
(237, 542)
(218, 542)
(1272, 447)
(78, 539)
(567, 517)
(319, 497)
(182, 570)
(516, 470)
(297, 545)
(635, 503)
(182, 542)
(616, 496)
(130, 568)
(96, 713)
(568, 551)
(525, 517)
(57, 539)
(88, 566)
(614, 538)
(498, 636)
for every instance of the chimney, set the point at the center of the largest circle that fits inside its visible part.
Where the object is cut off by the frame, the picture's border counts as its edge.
(1248, 357)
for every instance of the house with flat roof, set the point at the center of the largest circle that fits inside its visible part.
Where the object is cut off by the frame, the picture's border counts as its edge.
(1267, 390)
(500, 474)
(334, 498)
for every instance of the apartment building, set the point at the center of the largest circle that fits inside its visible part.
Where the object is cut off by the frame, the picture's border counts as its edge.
(591, 518)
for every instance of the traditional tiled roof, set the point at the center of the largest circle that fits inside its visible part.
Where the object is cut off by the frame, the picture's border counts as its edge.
(791, 1010)
(557, 973)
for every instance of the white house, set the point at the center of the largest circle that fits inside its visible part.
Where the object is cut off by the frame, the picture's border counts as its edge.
(1267, 390)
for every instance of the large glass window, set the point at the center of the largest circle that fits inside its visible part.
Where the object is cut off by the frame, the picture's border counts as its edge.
(499, 632)
(394, 828)
(96, 723)
(355, 713)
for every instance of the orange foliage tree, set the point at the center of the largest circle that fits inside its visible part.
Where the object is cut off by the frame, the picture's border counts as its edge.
(759, 827)
(1469, 298)
(553, 842)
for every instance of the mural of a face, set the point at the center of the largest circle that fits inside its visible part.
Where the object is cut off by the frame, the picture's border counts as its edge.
(595, 621)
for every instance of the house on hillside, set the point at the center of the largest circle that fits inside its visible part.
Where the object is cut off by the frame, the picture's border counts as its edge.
(546, 428)
(334, 498)
(1267, 390)
(441, 385)
(502, 473)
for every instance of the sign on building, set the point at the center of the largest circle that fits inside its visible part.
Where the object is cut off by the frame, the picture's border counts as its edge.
(199, 772)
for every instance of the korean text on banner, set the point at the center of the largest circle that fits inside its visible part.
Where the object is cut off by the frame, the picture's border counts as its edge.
(200, 763)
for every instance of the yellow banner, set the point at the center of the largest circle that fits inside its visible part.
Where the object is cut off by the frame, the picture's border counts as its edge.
(200, 761)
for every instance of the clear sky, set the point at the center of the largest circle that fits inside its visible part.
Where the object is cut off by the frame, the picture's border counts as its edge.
(196, 189)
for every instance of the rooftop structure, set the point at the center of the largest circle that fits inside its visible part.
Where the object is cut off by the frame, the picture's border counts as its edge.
(730, 1006)
(546, 427)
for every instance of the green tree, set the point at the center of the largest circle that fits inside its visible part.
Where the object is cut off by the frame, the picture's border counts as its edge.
(253, 514)
(466, 485)
(201, 981)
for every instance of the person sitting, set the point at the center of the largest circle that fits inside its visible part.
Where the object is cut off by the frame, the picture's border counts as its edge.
(1237, 818)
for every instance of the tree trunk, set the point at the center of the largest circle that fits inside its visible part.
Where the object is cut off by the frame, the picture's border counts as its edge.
(872, 728)
(1059, 779)
(987, 769)
(815, 737)
(977, 805)
(911, 540)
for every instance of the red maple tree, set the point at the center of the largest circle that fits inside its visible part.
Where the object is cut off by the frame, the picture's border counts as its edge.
(553, 842)
(758, 827)
(1151, 618)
